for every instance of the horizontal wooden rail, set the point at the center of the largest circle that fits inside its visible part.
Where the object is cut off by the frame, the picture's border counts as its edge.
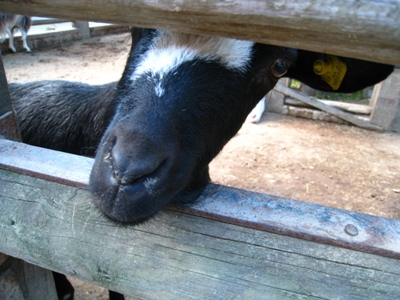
(265, 212)
(197, 252)
(48, 21)
(365, 29)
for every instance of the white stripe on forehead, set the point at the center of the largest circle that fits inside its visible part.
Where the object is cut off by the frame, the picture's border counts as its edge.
(170, 49)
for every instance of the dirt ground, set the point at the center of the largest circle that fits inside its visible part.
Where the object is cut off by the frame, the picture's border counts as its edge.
(324, 163)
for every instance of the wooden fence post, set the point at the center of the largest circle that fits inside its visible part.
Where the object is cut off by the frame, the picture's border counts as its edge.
(385, 101)
(8, 124)
(21, 280)
(83, 28)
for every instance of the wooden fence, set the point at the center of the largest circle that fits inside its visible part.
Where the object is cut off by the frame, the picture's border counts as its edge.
(366, 29)
(232, 244)
(378, 115)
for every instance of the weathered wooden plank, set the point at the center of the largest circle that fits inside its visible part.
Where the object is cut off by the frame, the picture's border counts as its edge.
(366, 29)
(8, 124)
(83, 28)
(52, 165)
(9, 127)
(355, 108)
(23, 281)
(5, 99)
(178, 256)
(274, 214)
(386, 100)
(363, 123)
(48, 21)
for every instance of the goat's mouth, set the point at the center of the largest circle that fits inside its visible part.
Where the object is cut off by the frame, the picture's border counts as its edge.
(134, 199)
(130, 201)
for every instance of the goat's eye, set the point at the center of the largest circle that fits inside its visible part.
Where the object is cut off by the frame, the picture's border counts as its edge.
(279, 67)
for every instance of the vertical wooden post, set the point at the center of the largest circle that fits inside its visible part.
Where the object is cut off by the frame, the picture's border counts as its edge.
(274, 100)
(385, 101)
(21, 280)
(83, 28)
(8, 124)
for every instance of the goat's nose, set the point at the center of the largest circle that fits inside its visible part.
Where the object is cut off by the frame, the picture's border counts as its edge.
(132, 161)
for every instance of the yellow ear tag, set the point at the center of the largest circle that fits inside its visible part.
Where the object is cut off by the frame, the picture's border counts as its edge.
(332, 70)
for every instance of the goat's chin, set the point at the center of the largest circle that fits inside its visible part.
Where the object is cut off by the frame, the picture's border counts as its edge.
(129, 203)
(139, 201)
(123, 209)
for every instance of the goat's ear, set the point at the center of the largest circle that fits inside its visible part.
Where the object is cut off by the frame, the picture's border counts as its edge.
(337, 74)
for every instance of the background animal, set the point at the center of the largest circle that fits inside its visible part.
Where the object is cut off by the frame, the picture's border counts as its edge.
(179, 101)
(9, 23)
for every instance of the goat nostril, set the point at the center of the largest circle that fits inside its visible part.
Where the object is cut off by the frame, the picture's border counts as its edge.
(132, 162)
(127, 170)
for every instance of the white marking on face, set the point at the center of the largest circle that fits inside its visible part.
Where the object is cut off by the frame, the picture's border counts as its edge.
(170, 49)
(158, 89)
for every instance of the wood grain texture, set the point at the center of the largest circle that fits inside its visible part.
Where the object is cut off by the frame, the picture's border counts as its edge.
(52, 165)
(365, 29)
(259, 211)
(177, 256)
(385, 100)
(180, 256)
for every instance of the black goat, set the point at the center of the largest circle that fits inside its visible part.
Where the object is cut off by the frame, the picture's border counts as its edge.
(180, 100)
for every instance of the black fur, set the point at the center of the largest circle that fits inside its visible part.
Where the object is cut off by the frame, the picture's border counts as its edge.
(360, 73)
(62, 115)
(167, 142)
(156, 149)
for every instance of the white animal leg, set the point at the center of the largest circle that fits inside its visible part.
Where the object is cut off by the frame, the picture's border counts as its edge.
(24, 43)
(11, 40)
(257, 112)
